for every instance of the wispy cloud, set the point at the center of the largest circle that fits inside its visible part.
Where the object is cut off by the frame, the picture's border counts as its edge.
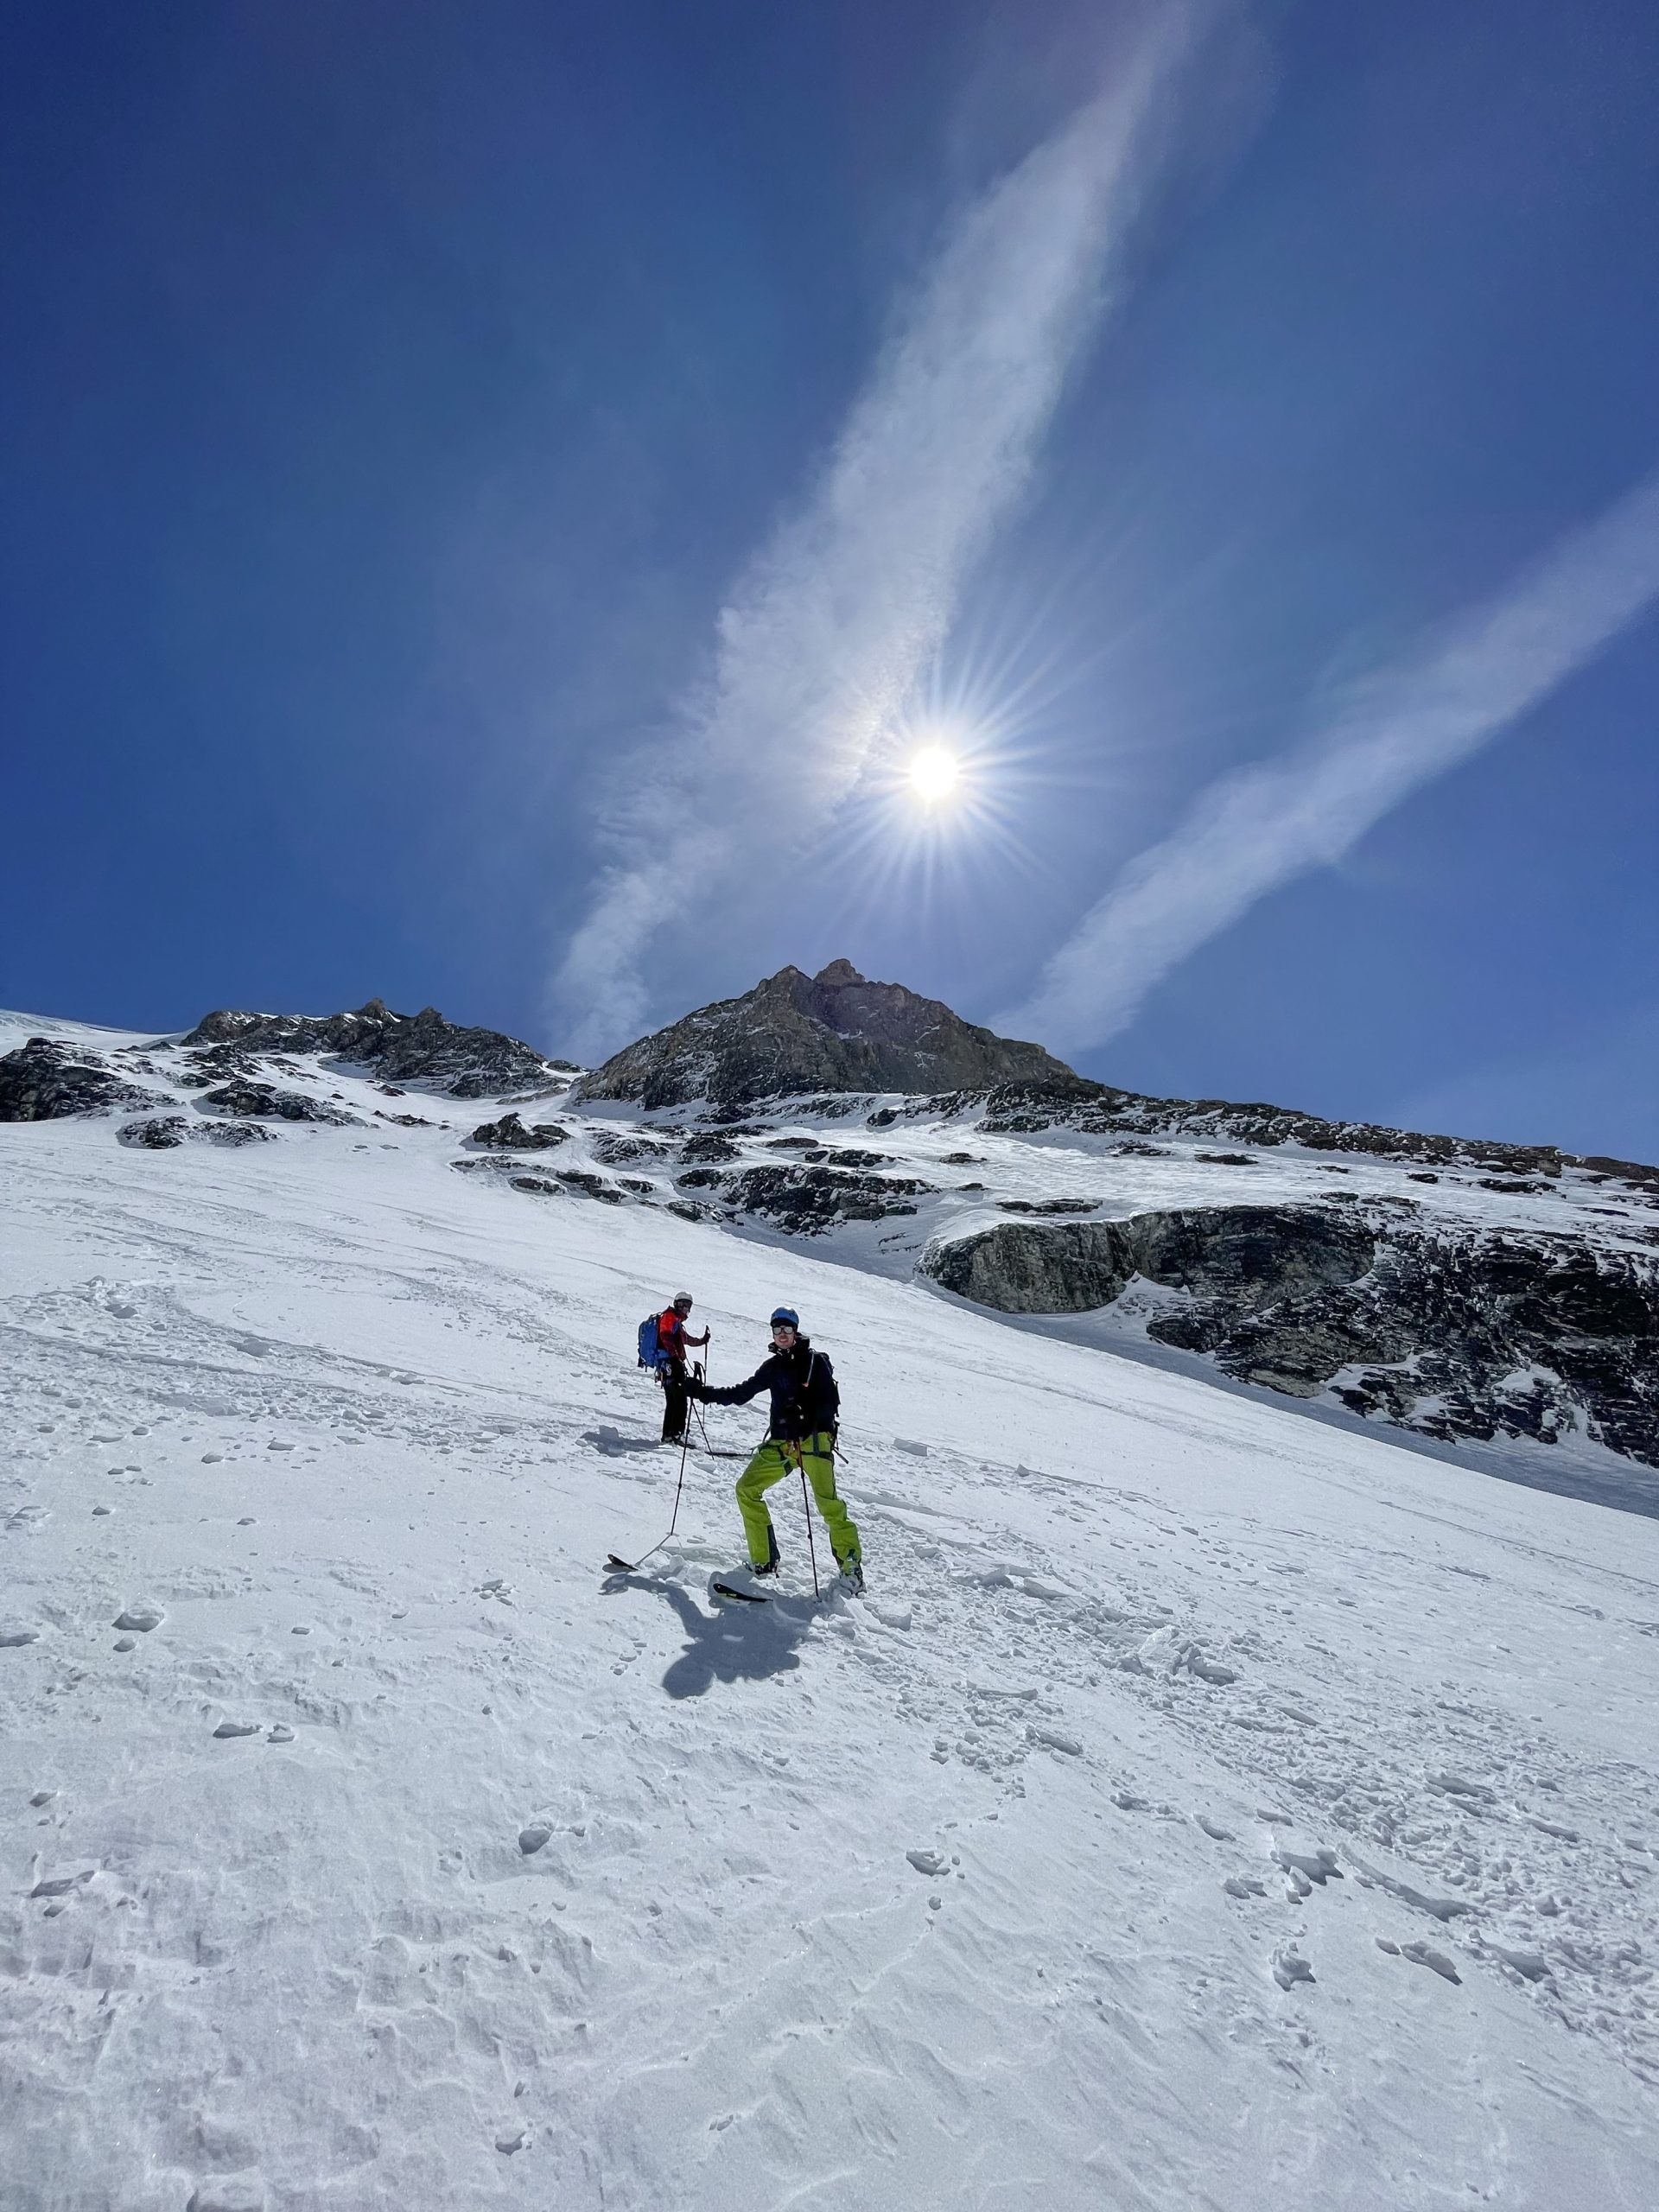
(1251, 831)
(822, 643)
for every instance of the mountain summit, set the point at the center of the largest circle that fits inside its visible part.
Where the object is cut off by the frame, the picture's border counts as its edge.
(835, 1031)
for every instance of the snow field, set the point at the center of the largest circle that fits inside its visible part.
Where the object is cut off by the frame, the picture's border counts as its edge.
(1120, 1850)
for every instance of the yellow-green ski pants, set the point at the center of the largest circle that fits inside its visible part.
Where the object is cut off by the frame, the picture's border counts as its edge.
(770, 1464)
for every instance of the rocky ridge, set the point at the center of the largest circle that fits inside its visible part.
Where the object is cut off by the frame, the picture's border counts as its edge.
(397, 1047)
(836, 1031)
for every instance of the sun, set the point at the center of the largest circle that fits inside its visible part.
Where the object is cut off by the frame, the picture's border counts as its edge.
(933, 774)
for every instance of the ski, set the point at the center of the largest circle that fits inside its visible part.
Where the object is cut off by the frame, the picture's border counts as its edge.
(615, 1565)
(729, 1590)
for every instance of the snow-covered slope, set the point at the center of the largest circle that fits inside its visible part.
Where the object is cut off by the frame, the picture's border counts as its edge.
(1209, 1807)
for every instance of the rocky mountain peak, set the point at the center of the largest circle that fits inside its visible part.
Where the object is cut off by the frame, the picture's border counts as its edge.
(423, 1047)
(837, 1031)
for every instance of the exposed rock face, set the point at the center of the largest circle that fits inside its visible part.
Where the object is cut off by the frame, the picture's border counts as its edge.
(1240, 1254)
(1489, 1333)
(833, 1031)
(164, 1131)
(617, 1149)
(44, 1081)
(399, 1047)
(805, 1200)
(509, 1135)
(1048, 1206)
(263, 1101)
(709, 1144)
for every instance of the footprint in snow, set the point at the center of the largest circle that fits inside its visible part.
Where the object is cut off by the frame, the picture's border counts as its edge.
(927, 1862)
(244, 2192)
(142, 1618)
(510, 2139)
(236, 1728)
(11, 1636)
(530, 1840)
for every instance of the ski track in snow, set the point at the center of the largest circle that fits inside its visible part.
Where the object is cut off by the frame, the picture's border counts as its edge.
(1205, 1809)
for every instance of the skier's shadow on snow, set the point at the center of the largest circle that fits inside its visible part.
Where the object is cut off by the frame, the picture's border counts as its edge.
(735, 1643)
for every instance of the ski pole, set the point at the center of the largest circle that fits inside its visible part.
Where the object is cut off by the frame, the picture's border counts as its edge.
(812, 1549)
(632, 1566)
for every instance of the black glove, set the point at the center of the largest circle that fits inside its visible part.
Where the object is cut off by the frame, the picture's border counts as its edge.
(694, 1386)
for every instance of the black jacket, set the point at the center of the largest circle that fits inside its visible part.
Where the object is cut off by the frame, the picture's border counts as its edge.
(804, 1398)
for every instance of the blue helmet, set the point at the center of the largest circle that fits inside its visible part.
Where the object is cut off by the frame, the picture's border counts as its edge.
(785, 1316)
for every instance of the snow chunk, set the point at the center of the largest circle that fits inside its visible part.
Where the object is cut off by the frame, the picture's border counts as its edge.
(1424, 1955)
(1289, 1967)
(1317, 1866)
(142, 1618)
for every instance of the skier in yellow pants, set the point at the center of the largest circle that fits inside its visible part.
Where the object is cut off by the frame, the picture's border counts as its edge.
(801, 1434)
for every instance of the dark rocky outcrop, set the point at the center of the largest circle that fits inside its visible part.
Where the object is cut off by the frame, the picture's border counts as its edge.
(1471, 1334)
(804, 1201)
(159, 1134)
(590, 1186)
(1048, 1206)
(616, 1148)
(263, 1101)
(509, 1135)
(709, 1144)
(834, 1032)
(400, 1048)
(46, 1081)
(164, 1131)
(1242, 1254)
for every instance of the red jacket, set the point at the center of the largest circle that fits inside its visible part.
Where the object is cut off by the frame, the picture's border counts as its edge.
(671, 1334)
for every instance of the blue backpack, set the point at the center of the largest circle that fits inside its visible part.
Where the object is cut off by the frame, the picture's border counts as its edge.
(650, 1350)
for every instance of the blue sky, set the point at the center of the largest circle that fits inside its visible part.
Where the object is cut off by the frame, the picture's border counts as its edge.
(494, 494)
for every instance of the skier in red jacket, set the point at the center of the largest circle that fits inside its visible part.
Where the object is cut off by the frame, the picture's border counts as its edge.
(673, 1342)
